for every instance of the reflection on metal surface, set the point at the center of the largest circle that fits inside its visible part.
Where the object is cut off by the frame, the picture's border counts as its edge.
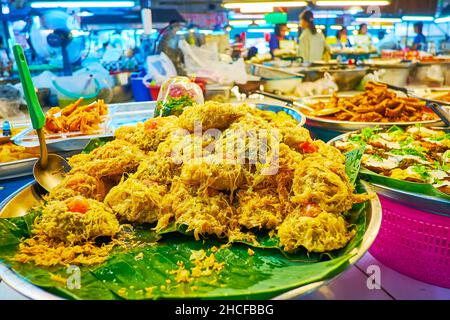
(19, 203)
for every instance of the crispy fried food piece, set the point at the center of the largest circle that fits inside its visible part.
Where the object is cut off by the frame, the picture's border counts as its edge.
(135, 201)
(148, 135)
(295, 136)
(259, 209)
(75, 117)
(79, 184)
(322, 233)
(76, 220)
(211, 115)
(204, 214)
(110, 161)
(323, 182)
(212, 172)
(11, 152)
(156, 168)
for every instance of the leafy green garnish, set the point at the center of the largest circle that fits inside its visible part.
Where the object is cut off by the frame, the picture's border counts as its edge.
(395, 129)
(409, 151)
(406, 142)
(421, 170)
(173, 106)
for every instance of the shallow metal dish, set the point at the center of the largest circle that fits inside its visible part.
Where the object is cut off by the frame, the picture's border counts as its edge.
(346, 126)
(421, 202)
(119, 114)
(32, 193)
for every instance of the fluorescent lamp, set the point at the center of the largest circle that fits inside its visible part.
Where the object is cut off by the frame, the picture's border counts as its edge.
(82, 4)
(417, 18)
(236, 16)
(338, 3)
(256, 9)
(335, 27)
(5, 9)
(379, 20)
(291, 4)
(325, 15)
(442, 19)
(85, 14)
(292, 25)
(245, 22)
(267, 30)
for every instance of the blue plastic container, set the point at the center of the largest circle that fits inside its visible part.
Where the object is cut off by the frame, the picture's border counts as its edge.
(140, 91)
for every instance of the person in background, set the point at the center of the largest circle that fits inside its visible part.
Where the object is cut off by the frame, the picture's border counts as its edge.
(362, 39)
(252, 51)
(342, 38)
(237, 47)
(312, 45)
(279, 34)
(5, 61)
(420, 41)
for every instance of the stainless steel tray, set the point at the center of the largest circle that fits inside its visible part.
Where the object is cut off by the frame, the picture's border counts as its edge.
(347, 126)
(119, 114)
(30, 196)
(421, 202)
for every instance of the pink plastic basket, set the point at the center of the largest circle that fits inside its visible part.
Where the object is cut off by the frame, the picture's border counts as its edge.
(413, 242)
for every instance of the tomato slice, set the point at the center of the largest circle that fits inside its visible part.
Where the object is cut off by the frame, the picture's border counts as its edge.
(151, 125)
(308, 147)
(78, 204)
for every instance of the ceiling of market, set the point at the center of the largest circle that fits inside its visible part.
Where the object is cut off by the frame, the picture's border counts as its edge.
(395, 8)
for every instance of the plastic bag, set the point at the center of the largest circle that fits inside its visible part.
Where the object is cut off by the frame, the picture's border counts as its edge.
(177, 93)
(326, 86)
(371, 77)
(9, 101)
(206, 62)
(159, 69)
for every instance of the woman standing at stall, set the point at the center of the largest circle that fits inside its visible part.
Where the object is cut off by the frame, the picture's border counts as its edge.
(312, 45)
(276, 37)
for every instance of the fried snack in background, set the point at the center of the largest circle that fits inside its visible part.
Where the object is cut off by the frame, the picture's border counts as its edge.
(376, 104)
(76, 117)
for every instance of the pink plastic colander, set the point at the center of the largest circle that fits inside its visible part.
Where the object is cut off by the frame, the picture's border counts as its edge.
(413, 242)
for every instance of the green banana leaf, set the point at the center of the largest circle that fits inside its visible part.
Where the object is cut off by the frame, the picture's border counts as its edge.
(263, 275)
(129, 272)
(96, 143)
(415, 187)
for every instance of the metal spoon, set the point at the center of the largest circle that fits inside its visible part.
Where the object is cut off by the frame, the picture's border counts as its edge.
(50, 168)
(288, 101)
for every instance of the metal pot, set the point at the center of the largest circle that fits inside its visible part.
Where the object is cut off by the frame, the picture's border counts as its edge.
(122, 91)
(347, 78)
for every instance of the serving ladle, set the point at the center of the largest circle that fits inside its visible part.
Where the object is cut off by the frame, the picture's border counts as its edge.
(50, 168)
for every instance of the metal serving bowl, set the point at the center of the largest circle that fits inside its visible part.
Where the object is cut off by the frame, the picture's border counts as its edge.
(421, 202)
(29, 196)
(327, 129)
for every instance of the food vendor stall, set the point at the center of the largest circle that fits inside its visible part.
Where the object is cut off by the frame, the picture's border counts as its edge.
(191, 170)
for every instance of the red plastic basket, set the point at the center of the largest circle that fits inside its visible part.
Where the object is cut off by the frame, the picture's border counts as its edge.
(413, 242)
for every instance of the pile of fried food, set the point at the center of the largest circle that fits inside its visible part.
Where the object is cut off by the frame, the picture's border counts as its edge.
(376, 104)
(10, 152)
(76, 117)
(445, 97)
(209, 180)
(417, 154)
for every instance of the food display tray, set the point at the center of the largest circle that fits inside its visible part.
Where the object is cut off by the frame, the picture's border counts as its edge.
(327, 129)
(66, 144)
(30, 196)
(119, 114)
(421, 202)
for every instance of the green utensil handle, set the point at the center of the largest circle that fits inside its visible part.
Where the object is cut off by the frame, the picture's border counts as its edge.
(34, 108)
